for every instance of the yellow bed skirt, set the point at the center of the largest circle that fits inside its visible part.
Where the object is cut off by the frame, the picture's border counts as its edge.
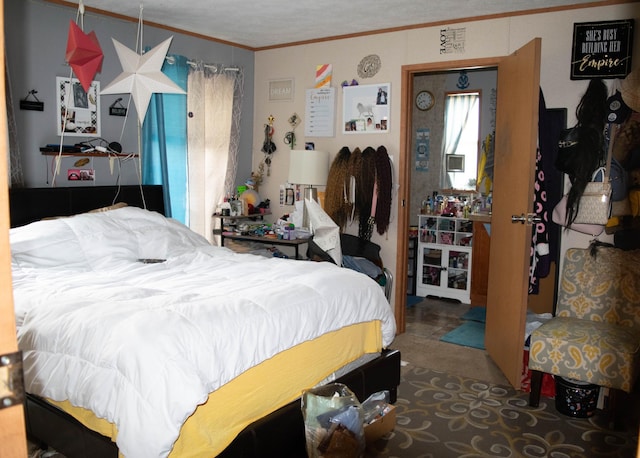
(258, 391)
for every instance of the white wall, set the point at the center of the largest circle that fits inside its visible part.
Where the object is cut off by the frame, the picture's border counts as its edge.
(488, 38)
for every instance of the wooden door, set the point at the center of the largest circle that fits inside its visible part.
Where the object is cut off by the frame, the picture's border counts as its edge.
(13, 441)
(514, 170)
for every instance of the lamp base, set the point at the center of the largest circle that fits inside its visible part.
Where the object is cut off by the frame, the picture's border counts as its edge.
(310, 193)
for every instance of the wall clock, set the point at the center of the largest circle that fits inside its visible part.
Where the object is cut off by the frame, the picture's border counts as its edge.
(425, 100)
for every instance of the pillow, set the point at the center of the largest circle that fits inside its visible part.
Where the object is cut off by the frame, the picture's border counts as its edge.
(46, 244)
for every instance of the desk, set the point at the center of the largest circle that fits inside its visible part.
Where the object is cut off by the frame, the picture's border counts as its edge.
(264, 240)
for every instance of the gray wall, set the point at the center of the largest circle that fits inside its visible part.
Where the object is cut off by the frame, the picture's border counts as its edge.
(36, 40)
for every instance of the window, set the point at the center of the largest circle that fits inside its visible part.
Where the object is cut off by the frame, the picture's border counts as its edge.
(460, 146)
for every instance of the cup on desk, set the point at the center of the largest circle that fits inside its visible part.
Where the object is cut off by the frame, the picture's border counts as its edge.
(289, 233)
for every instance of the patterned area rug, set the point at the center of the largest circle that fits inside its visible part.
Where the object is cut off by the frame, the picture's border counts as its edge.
(441, 415)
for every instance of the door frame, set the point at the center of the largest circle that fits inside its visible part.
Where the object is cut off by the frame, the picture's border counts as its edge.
(404, 166)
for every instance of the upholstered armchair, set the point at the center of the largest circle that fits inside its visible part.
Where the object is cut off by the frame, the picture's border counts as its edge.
(595, 335)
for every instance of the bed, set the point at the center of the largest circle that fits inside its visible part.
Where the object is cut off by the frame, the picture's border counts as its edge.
(139, 338)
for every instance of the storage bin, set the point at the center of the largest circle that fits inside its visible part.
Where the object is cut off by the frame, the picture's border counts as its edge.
(575, 398)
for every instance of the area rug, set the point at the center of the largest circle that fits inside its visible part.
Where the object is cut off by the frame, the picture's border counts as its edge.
(440, 416)
(413, 300)
(476, 314)
(468, 334)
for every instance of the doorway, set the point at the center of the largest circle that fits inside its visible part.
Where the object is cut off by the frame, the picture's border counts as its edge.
(516, 138)
(438, 131)
(407, 177)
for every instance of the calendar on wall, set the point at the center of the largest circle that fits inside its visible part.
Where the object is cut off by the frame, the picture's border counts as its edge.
(320, 107)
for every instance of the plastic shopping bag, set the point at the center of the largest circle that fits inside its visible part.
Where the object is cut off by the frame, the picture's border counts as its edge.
(333, 421)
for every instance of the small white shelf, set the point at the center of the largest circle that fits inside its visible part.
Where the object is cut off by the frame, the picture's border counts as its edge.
(444, 257)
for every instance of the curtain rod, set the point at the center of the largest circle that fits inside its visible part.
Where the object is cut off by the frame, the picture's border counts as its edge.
(193, 63)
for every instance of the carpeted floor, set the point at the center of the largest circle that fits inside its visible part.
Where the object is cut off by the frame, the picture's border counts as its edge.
(455, 402)
(441, 415)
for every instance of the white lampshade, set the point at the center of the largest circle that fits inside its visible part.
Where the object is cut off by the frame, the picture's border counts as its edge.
(309, 167)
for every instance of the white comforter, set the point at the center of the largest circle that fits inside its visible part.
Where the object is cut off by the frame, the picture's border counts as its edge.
(142, 345)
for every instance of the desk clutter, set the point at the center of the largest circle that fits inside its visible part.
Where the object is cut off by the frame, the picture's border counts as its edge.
(280, 230)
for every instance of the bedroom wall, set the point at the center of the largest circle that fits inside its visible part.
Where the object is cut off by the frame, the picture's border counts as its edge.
(36, 40)
(487, 38)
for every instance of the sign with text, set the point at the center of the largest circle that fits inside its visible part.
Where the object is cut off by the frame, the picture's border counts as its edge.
(281, 89)
(602, 49)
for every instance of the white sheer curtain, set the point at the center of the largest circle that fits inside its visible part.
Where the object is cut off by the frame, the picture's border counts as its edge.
(16, 177)
(461, 126)
(213, 104)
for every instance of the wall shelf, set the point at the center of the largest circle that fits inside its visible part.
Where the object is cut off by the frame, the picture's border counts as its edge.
(87, 154)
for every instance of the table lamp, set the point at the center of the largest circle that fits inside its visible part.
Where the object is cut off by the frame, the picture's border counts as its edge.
(309, 168)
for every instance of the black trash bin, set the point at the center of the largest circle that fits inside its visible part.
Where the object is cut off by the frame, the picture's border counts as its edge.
(575, 398)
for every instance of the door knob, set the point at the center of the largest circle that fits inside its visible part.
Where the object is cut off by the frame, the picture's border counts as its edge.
(529, 219)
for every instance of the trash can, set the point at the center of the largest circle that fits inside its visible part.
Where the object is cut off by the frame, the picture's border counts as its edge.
(575, 398)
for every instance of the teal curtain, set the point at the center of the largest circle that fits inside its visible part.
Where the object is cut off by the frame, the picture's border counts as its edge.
(164, 142)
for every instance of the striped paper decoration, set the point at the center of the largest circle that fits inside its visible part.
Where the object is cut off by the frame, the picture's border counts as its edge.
(323, 75)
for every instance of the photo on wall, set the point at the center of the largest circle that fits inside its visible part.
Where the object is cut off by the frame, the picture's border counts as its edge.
(78, 112)
(366, 108)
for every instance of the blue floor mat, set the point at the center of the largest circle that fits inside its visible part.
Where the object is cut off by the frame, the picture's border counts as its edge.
(476, 314)
(468, 334)
(413, 300)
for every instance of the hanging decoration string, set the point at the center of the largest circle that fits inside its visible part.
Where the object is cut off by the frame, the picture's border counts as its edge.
(58, 159)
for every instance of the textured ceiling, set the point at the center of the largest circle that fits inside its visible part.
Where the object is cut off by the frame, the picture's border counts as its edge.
(265, 23)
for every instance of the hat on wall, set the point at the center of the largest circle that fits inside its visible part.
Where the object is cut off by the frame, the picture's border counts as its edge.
(630, 89)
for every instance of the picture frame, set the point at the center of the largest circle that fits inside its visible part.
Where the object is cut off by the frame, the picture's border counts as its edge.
(281, 89)
(78, 111)
(366, 108)
(455, 162)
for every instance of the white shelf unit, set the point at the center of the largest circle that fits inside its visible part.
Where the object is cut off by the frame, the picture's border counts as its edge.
(444, 257)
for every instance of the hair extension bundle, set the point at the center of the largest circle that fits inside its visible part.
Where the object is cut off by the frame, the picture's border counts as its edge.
(364, 183)
(384, 180)
(334, 202)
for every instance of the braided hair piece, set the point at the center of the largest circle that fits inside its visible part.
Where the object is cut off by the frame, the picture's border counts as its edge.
(339, 174)
(384, 180)
(364, 184)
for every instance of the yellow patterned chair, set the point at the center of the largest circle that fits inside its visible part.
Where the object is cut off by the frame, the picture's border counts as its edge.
(595, 335)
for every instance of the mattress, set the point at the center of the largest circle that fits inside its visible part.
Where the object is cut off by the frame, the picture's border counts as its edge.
(142, 345)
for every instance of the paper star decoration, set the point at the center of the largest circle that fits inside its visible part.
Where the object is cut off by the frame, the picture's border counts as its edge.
(142, 76)
(83, 54)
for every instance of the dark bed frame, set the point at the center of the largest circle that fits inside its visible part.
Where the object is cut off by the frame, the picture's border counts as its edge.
(280, 433)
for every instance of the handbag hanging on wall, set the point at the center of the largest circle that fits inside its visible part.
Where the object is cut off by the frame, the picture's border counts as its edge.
(559, 216)
(594, 207)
